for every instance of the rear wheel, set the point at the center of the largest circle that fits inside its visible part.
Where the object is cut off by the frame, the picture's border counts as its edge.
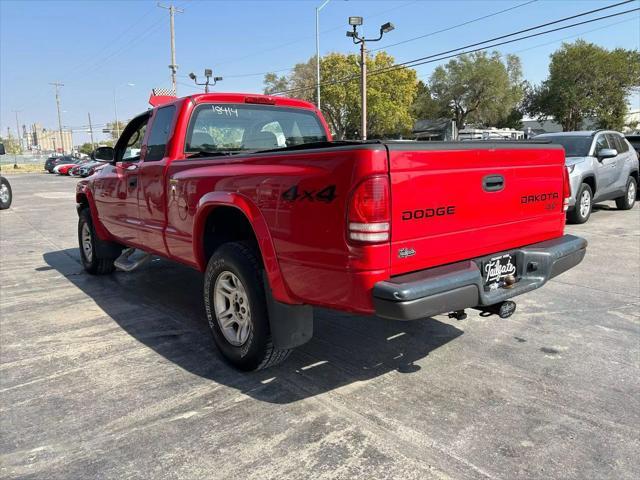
(6, 195)
(236, 308)
(629, 199)
(583, 207)
(93, 260)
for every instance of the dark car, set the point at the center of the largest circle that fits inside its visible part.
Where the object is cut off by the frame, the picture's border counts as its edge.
(51, 162)
(634, 140)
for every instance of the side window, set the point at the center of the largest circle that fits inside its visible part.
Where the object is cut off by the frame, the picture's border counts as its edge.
(160, 129)
(601, 142)
(622, 144)
(613, 142)
(134, 144)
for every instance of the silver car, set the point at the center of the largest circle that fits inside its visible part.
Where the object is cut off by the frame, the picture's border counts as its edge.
(602, 166)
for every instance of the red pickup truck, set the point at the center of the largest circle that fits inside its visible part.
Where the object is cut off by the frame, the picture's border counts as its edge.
(252, 191)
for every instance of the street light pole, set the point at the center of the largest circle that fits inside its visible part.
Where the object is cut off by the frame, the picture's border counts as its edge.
(355, 22)
(115, 108)
(91, 130)
(318, 50)
(18, 129)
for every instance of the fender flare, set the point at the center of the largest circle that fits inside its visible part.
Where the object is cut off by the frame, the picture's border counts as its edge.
(256, 220)
(101, 231)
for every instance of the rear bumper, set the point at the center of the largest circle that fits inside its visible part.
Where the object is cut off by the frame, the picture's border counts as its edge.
(460, 285)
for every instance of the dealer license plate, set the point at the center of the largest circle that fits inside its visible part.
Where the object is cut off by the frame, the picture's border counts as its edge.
(496, 269)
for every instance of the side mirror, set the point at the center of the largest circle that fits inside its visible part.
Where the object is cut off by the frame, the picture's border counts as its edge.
(104, 154)
(607, 153)
(2, 151)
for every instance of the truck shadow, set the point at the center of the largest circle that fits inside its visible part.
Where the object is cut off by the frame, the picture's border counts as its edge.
(161, 306)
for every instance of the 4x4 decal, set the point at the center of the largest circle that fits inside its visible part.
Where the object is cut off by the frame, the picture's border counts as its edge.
(326, 194)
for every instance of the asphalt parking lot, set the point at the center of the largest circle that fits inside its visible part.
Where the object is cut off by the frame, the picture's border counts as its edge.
(117, 377)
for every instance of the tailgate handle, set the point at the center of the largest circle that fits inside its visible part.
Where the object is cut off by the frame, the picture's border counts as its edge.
(493, 183)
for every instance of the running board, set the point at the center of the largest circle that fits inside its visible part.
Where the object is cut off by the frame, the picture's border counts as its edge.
(123, 263)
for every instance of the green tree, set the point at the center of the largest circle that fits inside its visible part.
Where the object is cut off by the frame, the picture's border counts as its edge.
(586, 80)
(86, 148)
(389, 94)
(113, 131)
(478, 88)
(425, 106)
(11, 145)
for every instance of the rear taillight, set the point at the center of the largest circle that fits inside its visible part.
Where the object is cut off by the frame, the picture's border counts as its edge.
(566, 190)
(368, 217)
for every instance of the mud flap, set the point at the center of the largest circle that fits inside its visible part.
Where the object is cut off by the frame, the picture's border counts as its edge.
(291, 325)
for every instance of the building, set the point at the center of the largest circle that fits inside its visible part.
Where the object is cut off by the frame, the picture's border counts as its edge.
(50, 140)
(435, 129)
(492, 133)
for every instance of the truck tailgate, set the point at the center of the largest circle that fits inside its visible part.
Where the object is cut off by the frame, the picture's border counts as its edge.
(455, 201)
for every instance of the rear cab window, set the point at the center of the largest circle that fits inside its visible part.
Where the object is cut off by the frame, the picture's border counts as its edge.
(227, 128)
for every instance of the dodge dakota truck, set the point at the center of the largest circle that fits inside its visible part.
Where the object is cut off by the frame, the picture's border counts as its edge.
(252, 191)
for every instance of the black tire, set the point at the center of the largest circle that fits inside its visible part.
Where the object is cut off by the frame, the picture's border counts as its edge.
(631, 192)
(257, 351)
(576, 215)
(5, 186)
(94, 263)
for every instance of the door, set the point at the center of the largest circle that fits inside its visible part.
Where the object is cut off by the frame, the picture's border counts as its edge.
(152, 203)
(605, 168)
(619, 181)
(116, 191)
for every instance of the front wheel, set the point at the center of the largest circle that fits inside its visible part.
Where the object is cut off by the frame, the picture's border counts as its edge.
(236, 308)
(584, 204)
(628, 201)
(6, 195)
(91, 254)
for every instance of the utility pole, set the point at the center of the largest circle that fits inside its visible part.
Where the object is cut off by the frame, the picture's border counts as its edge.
(93, 145)
(318, 51)
(356, 22)
(18, 129)
(115, 108)
(58, 85)
(173, 67)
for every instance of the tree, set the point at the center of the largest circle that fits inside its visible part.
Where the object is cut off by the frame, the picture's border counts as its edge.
(425, 106)
(113, 131)
(389, 94)
(478, 88)
(586, 80)
(11, 145)
(86, 148)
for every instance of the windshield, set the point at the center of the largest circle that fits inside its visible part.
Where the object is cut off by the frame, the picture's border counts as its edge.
(577, 146)
(234, 127)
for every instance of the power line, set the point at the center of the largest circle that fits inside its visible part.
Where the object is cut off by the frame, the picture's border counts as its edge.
(441, 56)
(453, 26)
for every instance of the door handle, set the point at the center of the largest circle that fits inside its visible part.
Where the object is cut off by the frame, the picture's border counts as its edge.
(493, 183)
(133, 181)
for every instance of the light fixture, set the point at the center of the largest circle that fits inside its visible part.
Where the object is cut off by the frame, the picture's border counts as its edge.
(355, 21)
(387, 27)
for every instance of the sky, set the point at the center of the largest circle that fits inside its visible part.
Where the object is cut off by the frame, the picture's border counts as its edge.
(101, 50)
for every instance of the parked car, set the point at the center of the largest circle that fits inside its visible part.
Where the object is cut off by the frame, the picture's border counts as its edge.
(53, 161)
(6, 195)
(86, 169)
(602, 166)
(65, 167)
(250, 190)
